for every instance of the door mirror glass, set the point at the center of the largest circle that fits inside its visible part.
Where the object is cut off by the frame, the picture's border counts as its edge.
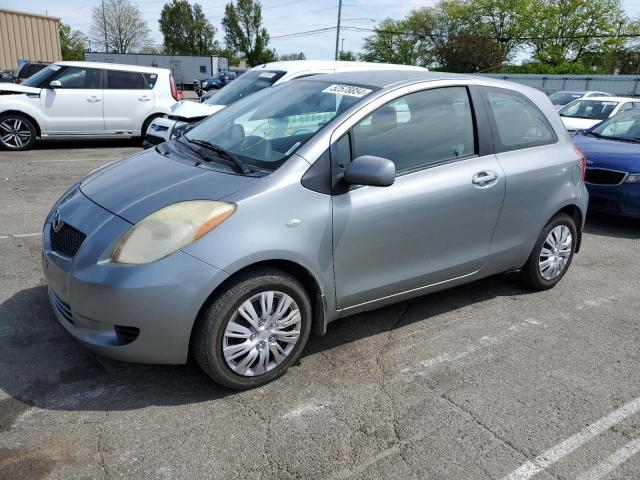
(55, 84)
(371, 171)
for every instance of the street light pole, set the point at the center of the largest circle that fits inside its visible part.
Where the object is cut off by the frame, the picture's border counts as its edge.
(104, 28)
(338, 28)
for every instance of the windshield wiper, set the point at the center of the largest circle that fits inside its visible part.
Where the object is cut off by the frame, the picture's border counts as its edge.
(222, 152)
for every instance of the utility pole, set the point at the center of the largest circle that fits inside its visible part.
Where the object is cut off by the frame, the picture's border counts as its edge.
(104, 28)
(338, 29)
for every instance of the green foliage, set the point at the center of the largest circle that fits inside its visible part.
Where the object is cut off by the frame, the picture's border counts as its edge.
(186, 29)
(386, 46)
(469, 52)
(292, 56)
(244, 33)
(73, 43)
(347, 56)
(568, 68)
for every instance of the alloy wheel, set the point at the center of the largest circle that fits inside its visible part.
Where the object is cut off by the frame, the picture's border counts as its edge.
(261, 333)
(14, 133)
(555, 252)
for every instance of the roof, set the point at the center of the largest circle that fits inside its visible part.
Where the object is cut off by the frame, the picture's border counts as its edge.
(302, 65)
(386, 78)
(29, 14)
(115, 66)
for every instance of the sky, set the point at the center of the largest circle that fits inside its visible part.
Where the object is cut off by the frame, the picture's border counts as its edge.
(280, 17)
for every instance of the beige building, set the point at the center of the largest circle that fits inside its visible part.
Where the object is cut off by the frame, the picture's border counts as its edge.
(27, 36)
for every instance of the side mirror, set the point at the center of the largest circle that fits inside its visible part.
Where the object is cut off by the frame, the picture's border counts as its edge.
(55, 84)
(180, 128)
(371, 171)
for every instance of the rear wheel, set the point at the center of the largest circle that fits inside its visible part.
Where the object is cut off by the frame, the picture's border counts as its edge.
(254, 331)
(552, 254)
(17, 132)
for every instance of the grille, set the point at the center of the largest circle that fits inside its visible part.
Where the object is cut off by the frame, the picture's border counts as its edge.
(61, 308)
(600, 176)
(126, 334)
(67, 240)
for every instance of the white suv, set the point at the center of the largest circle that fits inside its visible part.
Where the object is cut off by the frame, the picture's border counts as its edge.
(262, 76)
(84, 99)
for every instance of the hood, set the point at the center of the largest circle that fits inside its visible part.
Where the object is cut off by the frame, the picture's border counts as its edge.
(137, 186)
(612, 154)
(573, 124)
(189, 109)
(15, 88)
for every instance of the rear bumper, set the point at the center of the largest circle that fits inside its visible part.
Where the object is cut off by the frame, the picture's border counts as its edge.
(621, 200)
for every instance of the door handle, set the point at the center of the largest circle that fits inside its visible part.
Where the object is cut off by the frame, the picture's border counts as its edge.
(93, 99)
(144, 98)
(484, 178)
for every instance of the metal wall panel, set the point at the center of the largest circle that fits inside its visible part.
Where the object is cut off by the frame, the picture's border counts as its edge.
(26, 36)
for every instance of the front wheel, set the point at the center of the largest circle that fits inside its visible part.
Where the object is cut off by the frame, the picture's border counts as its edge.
(254, 331)
(552, 254)
(17, 132)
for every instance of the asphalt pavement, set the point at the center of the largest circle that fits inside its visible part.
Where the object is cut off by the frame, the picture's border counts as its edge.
(484, 381)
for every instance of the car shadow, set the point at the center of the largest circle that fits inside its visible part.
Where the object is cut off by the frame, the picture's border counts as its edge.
(47, 144)
(42, 366)
(604, 224)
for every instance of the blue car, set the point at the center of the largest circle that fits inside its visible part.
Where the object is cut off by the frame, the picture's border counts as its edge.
(612, 149)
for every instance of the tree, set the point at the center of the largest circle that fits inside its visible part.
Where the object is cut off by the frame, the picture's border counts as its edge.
(393, 41)
(565, 30)
(292, 56)
(244, 32)
(72, 43)
(347, 56)
(122, 24)
(186, 30)
(230, 55)
(469, 53)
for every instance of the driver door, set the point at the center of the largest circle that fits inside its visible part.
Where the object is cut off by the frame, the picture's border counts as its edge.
(76, 107)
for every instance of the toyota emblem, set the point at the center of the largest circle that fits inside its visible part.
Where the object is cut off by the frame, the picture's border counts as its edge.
(56, 222)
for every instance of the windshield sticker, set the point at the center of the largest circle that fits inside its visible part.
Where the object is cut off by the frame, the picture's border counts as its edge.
(54, 67)
(267, 75)
(348, 90)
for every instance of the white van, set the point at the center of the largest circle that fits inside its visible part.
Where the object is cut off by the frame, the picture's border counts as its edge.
(84, 100)
(262, 76)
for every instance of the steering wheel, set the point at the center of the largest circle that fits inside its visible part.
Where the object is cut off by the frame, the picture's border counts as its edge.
(302, 131)
(255, 146)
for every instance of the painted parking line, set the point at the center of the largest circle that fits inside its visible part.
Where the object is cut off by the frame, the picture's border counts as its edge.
(551, 456)
(20, 235)
(613, 461)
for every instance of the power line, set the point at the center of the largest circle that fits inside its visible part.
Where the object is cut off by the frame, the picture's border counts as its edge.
(305, 33)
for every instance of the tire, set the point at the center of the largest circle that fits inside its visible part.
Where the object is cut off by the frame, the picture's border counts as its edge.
(533, 274)
(17, 132)
(213, 334)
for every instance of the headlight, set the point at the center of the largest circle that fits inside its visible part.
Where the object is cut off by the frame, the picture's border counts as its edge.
(203, 84)
(169, 229)
(633, 178)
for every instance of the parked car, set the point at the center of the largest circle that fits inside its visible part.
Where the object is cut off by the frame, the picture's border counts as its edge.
(84, 100)
(584, 113)
(27, 69)
(214, 83)
(251, 81)
(307, 202)
(563, 97)
(612, 149)
(8, 75)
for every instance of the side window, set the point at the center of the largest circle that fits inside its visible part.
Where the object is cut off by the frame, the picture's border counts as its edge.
(626, 106)
(150, 80)
(419, 130)
(519, 123)
(78, 77)
(118, 80)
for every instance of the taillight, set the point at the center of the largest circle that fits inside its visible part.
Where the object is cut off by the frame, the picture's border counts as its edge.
(174, 89)
(584, 161)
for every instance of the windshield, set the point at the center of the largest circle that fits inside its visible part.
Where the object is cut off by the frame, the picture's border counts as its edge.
(590, 109)
(265, 129)
(624, 126)
(562, 98)
(247, 84)
(37, 79)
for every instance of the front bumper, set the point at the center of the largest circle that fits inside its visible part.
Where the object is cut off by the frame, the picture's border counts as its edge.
(159, 131)
(141, 313)
(621, 199)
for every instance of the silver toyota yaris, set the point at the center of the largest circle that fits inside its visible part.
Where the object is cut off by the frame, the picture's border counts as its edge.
(308, 202)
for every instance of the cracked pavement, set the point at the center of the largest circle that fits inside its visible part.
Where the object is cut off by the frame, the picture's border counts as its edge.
(469, 383)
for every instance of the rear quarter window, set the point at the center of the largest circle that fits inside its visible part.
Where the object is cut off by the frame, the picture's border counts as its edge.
(516, 122)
